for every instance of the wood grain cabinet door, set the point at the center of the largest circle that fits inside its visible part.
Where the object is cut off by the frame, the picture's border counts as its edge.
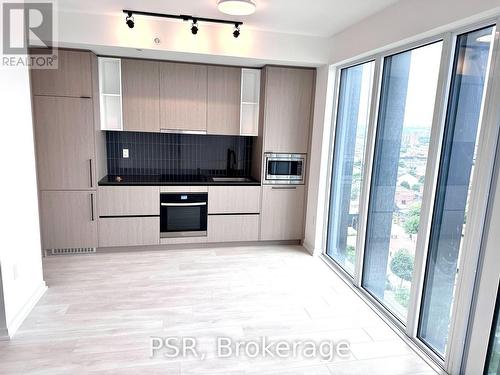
(288, 105)
(64, 143)
(183, 97)
(282, 215)
(141, 95)
(224, 100)
(71, 78)
(233, 199)
(68, 219)
(233, 228)
(129, 231)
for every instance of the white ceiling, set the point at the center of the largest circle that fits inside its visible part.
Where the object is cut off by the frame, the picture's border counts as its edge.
(307, 17)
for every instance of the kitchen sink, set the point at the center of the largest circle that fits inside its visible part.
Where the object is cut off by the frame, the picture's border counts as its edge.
(231, 179)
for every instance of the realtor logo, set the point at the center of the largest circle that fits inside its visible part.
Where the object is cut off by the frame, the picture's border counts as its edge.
(27, 25)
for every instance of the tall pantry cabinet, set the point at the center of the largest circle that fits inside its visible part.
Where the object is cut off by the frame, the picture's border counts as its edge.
(286, 118)
(64, 106)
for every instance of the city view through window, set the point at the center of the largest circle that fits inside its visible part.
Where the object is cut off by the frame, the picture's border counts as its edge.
(404, 125)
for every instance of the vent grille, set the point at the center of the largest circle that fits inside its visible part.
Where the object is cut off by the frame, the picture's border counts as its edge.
(75, 250)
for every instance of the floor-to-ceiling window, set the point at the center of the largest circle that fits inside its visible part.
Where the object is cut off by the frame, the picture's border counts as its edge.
(405, 177)
(470, 70)
(407, 100)
(492, 366)
(349, 152)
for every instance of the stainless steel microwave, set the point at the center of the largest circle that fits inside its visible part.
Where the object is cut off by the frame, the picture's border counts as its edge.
(284, 168)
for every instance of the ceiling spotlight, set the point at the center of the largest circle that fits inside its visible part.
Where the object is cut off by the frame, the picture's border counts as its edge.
(194, 27)
(236, 32)
(236, 7)
(130, 21)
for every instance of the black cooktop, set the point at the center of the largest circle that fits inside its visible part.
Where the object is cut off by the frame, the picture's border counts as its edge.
(162, 178)
(151, 180)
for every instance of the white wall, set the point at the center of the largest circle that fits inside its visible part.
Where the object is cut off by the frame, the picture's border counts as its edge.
(319, 151)
(406, 21)
(108, 34)
(20, 252)
(403, 22)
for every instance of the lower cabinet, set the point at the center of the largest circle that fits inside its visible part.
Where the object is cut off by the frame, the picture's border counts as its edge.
(233, 199)
(232, 228)
(129, 200)
(69, 219)
(129, 231)
(282, 214)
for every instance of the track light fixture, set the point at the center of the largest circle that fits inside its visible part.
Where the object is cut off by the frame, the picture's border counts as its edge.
(194, 27)
(236, 32)
(129, 20)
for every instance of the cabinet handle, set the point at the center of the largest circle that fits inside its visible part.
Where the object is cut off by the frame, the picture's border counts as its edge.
(195, 204)
(91, 206)
(90, 171)
(284, 188)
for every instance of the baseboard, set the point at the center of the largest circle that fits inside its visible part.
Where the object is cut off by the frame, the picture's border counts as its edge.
(16, 322)
(4, 334)
(309, 247)
(194, 246)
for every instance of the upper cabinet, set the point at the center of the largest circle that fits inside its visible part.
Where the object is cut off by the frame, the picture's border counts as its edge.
(110, 93)
(140, 95)
(183, 97)
(233, 101)
(250, 98)
(224, 93)
(153, 96)
(288, 109)
(71, 78)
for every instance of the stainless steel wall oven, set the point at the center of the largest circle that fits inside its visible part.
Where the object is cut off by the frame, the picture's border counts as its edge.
(183, 214)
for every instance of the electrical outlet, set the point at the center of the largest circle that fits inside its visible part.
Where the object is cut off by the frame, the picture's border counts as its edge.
(125, 153)
(15, 272)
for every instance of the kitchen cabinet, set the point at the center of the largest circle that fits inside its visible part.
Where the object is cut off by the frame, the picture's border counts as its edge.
(183, 97)
(282, 215)
(233, 199)
(223, 106)
(71, 78)
(129, 231)
(64, 143)
(288, 109)
(250, 98)
(110, 93)
(233, 228)
(129, 200)
(68, 219)
(140, 95)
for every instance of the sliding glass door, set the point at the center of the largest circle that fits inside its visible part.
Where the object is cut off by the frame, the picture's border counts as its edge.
(349, 152)
(465, 107)
(407, 98)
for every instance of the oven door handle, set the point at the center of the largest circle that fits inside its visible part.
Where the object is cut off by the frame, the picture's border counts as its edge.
(183, 204)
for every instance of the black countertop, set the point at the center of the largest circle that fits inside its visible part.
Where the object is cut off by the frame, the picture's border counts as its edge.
(172, 180)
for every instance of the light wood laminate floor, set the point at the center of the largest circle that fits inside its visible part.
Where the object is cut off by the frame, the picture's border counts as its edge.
(100, 311)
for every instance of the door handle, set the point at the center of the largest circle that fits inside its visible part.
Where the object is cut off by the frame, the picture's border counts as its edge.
(183, 204)
(91, 206)
(284, 188)
(90, 172)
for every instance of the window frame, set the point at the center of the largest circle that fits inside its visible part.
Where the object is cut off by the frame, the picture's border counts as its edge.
(480, 184)
(331, 156)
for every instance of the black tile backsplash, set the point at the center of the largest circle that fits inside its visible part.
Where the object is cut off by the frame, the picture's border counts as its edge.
(176, 154)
